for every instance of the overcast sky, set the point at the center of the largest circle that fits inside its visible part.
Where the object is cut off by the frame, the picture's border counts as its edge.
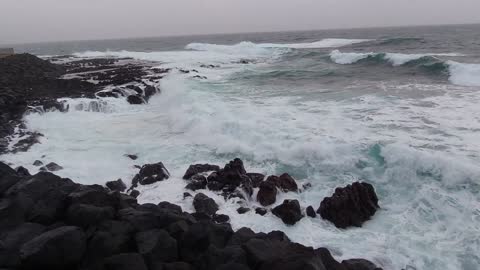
(49, 20)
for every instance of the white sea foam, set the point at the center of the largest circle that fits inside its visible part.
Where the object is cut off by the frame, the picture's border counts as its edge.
(250, 46)
(464, 74)
(460, 73)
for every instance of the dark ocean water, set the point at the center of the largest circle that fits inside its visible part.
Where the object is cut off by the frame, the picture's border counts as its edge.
(397, 107)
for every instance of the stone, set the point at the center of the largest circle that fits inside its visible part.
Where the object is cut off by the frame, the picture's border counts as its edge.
(267, 195)
(204, 204)
(311, 212)
(156, 247)
(256, 178)
(132, 157)
(151, 173)
(22, 172)
(14, 239)
(135, 193)
(84, 215)
(261, 211)
(243, 210)
(289, 211)
(118, 185)
(51, 167)
(220, 218)
(61, 248)
(359, 264)
(284, 182)
(198, 169)
(350, 206)
(135, 100)
(125, 261)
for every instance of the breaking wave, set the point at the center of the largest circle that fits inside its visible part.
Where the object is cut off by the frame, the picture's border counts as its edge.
(459, 73)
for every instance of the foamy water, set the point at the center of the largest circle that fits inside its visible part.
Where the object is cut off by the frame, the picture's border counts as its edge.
(421, 151)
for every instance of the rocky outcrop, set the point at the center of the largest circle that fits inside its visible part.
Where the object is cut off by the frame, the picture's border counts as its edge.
(350, 206)
(267, 195)
(151, 173)
(204, 204)
(198, 169)
(48, 222)
(289, 211)
(284, 182)
(118, 185)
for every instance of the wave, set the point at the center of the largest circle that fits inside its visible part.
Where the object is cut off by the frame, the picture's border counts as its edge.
(396, 41)
(459, 73)
(247, 45)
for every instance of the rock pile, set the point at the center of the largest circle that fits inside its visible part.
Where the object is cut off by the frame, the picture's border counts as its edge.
(48, 222)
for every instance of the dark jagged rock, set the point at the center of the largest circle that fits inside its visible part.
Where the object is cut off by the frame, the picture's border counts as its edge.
(51, 167)
(135, 193)
(267, 195)
(186, 195)
(150, 174)
(359, 264)
(204, 204)
(60, 248)
(135, 99)
(199, 168)
(220, 218)
(284, 182)
(84, 215)
(350, 206)
(37, 163)
(14, 239)
(156, 247)
(118, 185)
(243, 210)
(197, 182)
(311, 212)
(256, 178)
(132, 157)
(261, 211)
(126, 261)
(115, 232)
(289, 211)
(22, 172)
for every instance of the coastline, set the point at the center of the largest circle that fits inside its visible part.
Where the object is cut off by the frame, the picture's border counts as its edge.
(198, 238)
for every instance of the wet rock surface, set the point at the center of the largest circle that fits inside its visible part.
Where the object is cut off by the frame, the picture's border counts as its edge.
(350, 206)
(30, 84)
(49, 222)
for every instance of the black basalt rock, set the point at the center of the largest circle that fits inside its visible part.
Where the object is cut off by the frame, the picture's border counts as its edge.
(267, 195)
(117, 185)
(199, 168)
(289, 211)
(350, 206)
(204, 204)
(151, 173)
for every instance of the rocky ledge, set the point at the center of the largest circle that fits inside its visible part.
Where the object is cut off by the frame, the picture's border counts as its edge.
(49, 222)
(31, 84)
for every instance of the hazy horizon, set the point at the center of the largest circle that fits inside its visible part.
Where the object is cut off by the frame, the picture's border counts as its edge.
(30, 21)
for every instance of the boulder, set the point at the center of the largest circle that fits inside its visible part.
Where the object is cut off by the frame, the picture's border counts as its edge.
(243, 210)
(350, 206)
(61, 248)
(267, 194)
(22, 172)
(151, 173)
(204, 204)
(284, 182)
(198, 169)
(261, 211)
(6, 170)
(135, 99)
(150, 91)
(220, 218)
(156, 247)
(197, 182)
(359, 264)
(125, 261)
(118, 185)
(84, 215)
(51, 167)
(14, 239)
(289, 211)
(135, 193)
(256, 179)
(178, 266)
(311, 212)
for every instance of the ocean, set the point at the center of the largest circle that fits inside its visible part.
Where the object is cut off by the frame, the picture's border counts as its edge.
(395, 107)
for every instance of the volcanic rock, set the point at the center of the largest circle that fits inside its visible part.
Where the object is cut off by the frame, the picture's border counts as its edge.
(350, 206)
(289, 211)
(267, 194)
(150, 174)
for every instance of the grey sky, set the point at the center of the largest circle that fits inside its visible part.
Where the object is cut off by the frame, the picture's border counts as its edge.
(46, 20)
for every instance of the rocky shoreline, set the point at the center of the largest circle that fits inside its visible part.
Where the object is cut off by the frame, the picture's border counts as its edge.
(49, 222)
